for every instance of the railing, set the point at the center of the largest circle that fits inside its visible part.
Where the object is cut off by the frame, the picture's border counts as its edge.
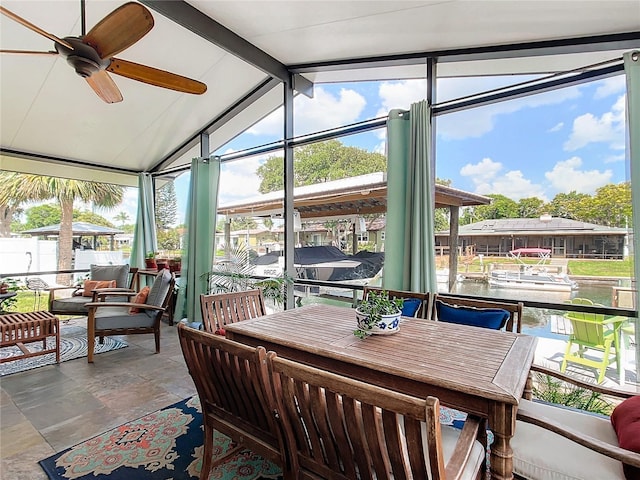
(45, 272)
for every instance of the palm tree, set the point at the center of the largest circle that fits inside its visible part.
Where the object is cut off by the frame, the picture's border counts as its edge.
(17, 188)
(122, 217)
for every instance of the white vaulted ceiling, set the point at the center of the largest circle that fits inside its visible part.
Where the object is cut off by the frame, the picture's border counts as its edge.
(51, 117)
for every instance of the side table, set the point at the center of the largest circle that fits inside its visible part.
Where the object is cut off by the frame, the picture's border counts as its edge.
(23, 328)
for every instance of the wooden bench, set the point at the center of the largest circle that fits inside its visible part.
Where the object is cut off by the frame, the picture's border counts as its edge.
(18, 329)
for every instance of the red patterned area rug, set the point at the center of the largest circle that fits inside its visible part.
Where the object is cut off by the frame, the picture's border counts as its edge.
(164, 445)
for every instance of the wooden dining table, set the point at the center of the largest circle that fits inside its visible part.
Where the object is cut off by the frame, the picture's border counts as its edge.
(472, 369)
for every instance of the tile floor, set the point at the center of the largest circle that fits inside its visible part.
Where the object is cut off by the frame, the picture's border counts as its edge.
(48, 409)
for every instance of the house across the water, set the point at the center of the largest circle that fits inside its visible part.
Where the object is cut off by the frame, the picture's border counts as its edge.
(564, 237)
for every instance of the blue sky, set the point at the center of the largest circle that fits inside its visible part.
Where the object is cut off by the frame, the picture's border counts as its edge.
(541, 145)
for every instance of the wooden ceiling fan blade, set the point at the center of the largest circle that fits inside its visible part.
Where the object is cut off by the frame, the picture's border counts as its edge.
(33, 27)
(120, 29)
(154, 76)
(105, 87)
(28, 52)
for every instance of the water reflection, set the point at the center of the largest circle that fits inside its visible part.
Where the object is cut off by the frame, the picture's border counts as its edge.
(539, 321)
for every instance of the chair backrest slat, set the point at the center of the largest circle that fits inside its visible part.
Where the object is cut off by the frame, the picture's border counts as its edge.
(587, 327)
(232, 383)
(340, 428)
(425, 298)
(221, 309)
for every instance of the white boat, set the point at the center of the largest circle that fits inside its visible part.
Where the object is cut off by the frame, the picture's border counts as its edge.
(325, 263)
(531, 277)
(442, 277)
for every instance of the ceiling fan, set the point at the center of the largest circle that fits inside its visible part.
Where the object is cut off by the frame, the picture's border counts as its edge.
(92, 54)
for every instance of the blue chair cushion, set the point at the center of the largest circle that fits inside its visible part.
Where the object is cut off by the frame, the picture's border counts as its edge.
(494, 318)
(410, 307)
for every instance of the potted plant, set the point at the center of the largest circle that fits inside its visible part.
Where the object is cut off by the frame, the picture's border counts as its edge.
(162, 263)
(378, 315)
(150, 260)
(175, 264)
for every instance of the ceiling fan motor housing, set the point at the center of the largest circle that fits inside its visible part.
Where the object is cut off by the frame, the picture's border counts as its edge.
(83, 58)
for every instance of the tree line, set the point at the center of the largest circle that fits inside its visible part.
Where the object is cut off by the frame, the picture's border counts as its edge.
(610, 206)
(332, 160)
(18, 190)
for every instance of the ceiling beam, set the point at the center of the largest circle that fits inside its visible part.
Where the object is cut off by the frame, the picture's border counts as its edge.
(194, 20)
(617, 41)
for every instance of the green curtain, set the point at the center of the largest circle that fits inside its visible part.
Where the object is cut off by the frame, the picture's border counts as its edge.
(197, 256)
(144, 235)
(632, 70)
(409, 262)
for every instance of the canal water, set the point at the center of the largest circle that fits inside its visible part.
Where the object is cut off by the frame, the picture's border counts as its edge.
(538, 321)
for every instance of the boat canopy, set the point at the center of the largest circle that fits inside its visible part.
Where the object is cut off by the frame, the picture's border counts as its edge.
(530, 251)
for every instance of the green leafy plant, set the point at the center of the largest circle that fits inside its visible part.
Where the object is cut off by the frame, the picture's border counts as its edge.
(373, 308)
(151, 255)
(232, 274)
(235, 274)
(275, 288)
(552, 390)
(11, 285)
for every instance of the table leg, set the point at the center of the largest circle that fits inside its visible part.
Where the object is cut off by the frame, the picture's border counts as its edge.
(502, 422)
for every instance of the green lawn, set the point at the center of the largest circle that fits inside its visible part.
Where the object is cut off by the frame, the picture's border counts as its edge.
(601, 268)
(587, 268)
(26, 301)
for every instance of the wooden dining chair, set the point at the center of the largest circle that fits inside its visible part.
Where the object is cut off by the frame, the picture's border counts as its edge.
(221, 309)
(554, 441)
(477, 306)
(340, 428)
(232, 384)
(416, 304)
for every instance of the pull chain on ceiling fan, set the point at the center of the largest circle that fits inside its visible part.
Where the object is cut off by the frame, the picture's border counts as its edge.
(92, 54)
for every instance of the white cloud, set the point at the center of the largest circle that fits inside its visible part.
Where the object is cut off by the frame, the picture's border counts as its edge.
(487, 178)
(481, 172)
(615, 158)
(129, 205)
(238, 179)
(556, 127)
(468, 123)
(381, 147)
(514, 185)
(609, 128)
(400, 95)
(322, 112)
(567, 176)
(611, 86)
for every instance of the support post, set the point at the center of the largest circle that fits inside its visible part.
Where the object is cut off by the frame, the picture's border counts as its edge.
(454, 216)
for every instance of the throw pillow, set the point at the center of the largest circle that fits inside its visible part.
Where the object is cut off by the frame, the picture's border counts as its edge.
(494, 318)
(119, 273)
(410, 307)
(141, 297)
(626, 422)
(90, 285)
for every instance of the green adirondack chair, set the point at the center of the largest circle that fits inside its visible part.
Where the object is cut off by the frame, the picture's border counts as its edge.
(592, 331)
